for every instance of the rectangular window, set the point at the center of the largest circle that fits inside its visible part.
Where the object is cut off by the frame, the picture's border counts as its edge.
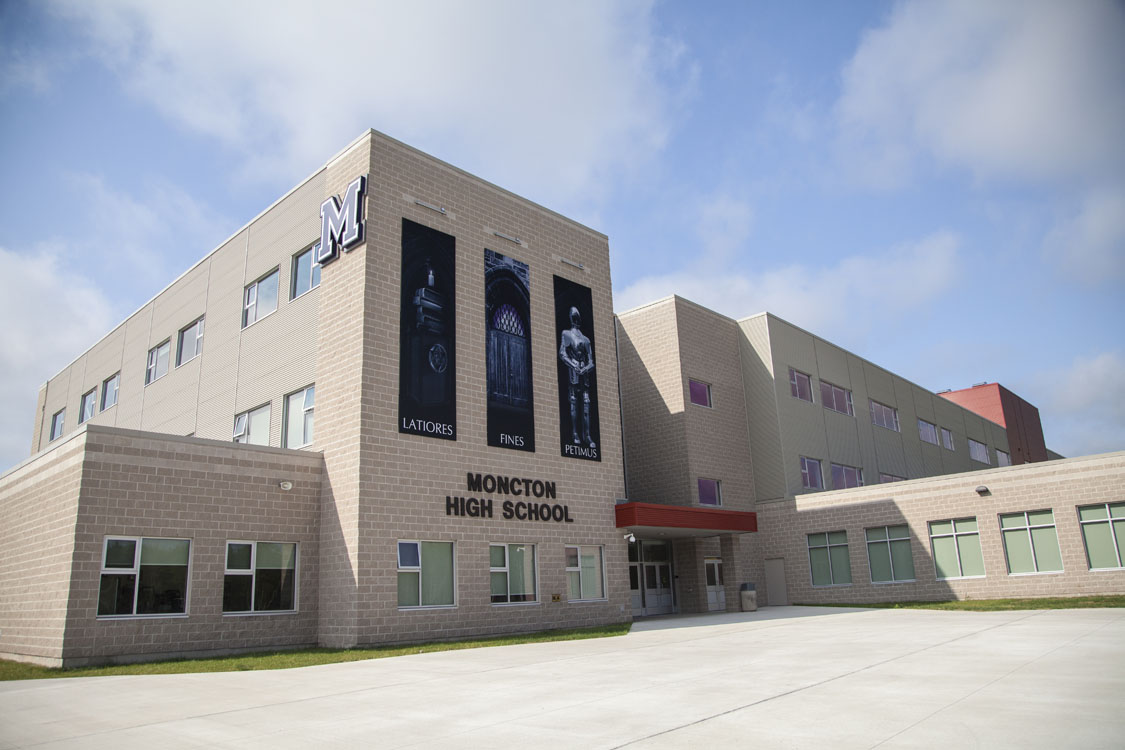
(700, 393)
(811, 478)
(927, 431)
(828, 559)
(306, 274)
(511, 573)
(884, 478)
(109, 391)
(144, 576)
(1002, 458)
(190, 343)
(978, 451)
(888, 552)
(884, 416)
(956, 548)
(253, 426)
(425, 574)
(260, 299)
(1031, 544)
(947, 439)
(88, 405)
(299, 418)
(800, 385)
(57, 424)
(1103, 532)
(157, 362)
(836, 398)
(710, 492)
(585, 575)
(260, 577)
(846, 476)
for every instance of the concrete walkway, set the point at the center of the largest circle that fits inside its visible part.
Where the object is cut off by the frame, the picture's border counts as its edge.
(789, 677)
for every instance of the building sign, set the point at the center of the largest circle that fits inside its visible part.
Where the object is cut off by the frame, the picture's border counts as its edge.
(427, 338)
(507, 324)
(341, 225)
(578, 380)
(532, 504)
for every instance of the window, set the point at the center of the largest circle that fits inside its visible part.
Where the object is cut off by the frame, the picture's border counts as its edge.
(836, 398)
(828, 559)
(253, 427)
(260, 577)
(888, 552)
(978, 451)
(811, 478)
(306, 274)
(1031, 544)
(585, 577)
(710, 493)
(57, 424)
(109, 391)
(956, 548)
(157, 362)
(1002, 458)
(88, 405)
(425, 574)
(800, 385)
(1103, 532)
(190, 344)
(846, 476)
(884, 416)
(144, 576)
(299, 418)
(947, 438)
(927, 431)
(700, 393)
(511, 573)
(884, 478)
(260, 299)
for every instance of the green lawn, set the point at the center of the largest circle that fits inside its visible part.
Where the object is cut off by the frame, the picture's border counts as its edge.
(10, 670)
(998, 605)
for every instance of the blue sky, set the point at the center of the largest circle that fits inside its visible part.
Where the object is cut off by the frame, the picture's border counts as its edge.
(938, 187)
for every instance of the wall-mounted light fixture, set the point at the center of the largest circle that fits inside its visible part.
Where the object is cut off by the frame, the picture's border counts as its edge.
(982, 490)
(630, 537)
(432, 207)
(579, 266)
(509, 238)
(285, 485)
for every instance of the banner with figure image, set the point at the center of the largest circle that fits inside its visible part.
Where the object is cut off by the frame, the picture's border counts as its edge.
(580, 436)
(507, 325)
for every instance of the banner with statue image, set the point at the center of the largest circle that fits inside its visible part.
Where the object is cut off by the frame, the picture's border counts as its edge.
(580, 435)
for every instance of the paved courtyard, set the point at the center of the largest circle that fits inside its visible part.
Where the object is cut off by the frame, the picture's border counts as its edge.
(787, 677)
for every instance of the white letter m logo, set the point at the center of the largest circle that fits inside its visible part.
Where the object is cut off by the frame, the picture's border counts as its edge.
(341, 226)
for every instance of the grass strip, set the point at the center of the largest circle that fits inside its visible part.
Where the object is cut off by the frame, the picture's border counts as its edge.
(308, 657)
(997, 605)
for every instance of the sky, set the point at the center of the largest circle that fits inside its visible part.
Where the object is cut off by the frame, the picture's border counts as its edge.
(938, 187)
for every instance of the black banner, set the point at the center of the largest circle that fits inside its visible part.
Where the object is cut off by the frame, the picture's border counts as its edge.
(507, 324)
(427, 342)
(580, 435)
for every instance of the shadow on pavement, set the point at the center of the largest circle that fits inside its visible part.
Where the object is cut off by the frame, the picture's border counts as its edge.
(708, 619)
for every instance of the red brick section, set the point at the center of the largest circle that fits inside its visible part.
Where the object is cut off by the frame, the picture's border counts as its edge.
(680, 517)
(1019, 417)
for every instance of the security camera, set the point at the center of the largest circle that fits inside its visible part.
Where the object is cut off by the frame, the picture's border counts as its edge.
(630, 537)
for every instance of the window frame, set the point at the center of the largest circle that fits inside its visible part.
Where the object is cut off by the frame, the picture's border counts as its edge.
(956, 536)
(578, 569)
(152, 364)
(795, 385)
(890, 557)
(251, 289)
(58, 419)
(922, 423)
(691, 394)
(116, 378)
(882, 408)
(1003, 458)
(718, 492)
(314, 270)
(805, 473)
(305, 409)
(1028, 526)
(400, 568)
(197, 343)
(90, 398)
(1109, 520)
(987, 460)
(827, 546)
(253, 573)
(849, 405)
(947, 438)
(135, 571)
(246, 428)
(844, 468)
(506, 570)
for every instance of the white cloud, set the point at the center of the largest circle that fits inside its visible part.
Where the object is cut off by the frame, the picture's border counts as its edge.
(556, 99)
(1082, 406)
(812, 297)
(1025, 89)
(723, 226)
(52, 315)
(1090, 243)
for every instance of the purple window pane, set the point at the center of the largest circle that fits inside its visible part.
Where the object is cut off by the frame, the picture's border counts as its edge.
(700, 393)
(708, 492)
(837, 477)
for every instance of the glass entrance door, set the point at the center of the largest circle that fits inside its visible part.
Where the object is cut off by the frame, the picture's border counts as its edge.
(656, 561)
(716, 592)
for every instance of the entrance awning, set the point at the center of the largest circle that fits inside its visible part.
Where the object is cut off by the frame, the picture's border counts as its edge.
(651, 520)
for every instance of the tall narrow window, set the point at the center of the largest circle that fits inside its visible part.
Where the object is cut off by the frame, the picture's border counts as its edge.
(1003, 458)
(710, 492)
(836, 398)
(425, 574)
(978, 451)
(260, 298)
(88, 405)
(1031, 544)
(699, 392)
(260, 577)
(299, 418)
(253, 426)
(888, 552)
(927, 431)
(800, 385)
(109, 391)
(585, 575)
(956, 548)
(306, 274)
(512, 573)
(811, 478)
(947, 439)
(828, 559)
(57, 424)
(144, 576)
(191, 343)
(1103, 532)
(157, 362)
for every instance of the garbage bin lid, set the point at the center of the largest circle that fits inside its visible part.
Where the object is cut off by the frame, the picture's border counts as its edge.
(747, 587)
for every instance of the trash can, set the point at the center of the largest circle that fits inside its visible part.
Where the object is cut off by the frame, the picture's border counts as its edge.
(749, 598)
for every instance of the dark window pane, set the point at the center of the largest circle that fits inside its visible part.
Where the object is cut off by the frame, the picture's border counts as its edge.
(236, 593)
(273, 590)
(163, 589)
(238, 556)
(120, 553)
(116, 595)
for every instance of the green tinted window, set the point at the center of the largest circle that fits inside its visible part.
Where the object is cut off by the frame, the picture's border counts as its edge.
(965, 525)
(941, 527)
(1017, 548)
(972, 561)
(945, 557)
(841, 564)
(821, 571)
(837, 537)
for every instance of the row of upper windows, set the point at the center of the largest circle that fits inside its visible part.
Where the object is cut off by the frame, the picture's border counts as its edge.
(1029, 538)
(150, 576)
(253, 426)
(839, 399)
(88, 404)
(843, 476)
